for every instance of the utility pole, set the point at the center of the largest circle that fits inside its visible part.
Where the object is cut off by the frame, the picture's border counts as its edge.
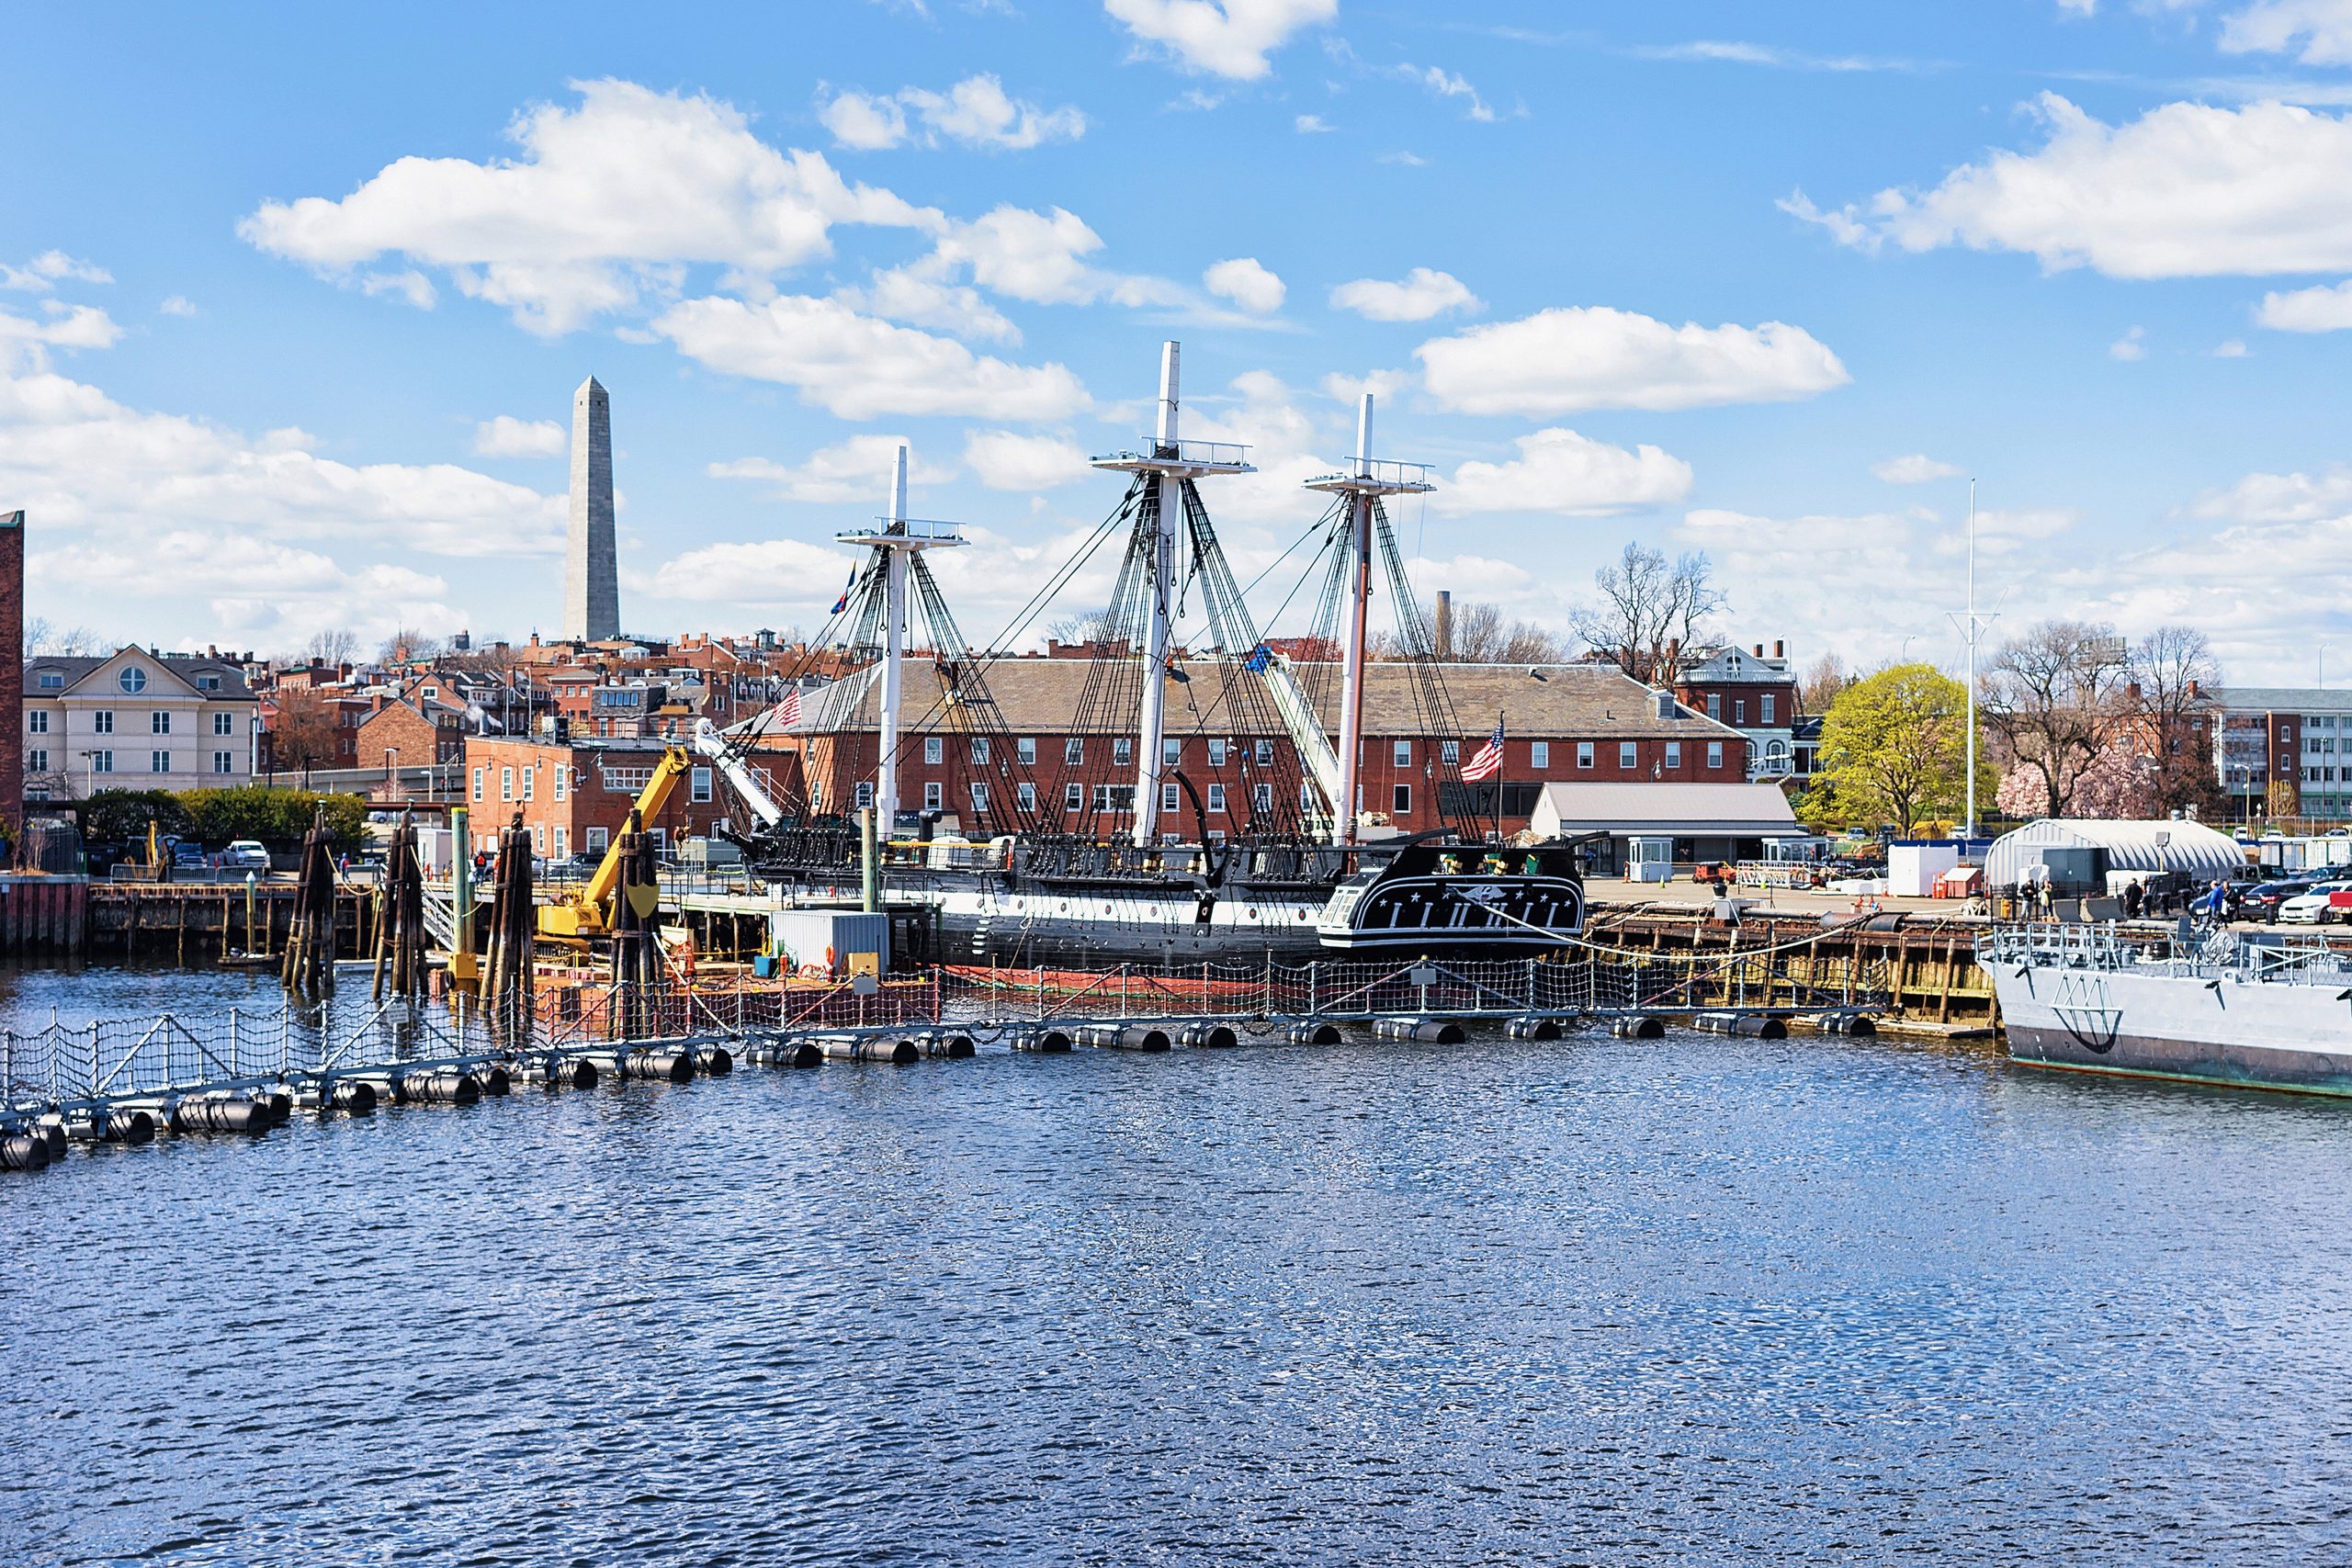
(1973, 630)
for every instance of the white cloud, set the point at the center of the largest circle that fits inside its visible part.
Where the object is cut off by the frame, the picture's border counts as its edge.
(1422, 293)
(2187, 190)
(975, 111)
(2233, 348)
(1224, 38)
(857, 469)
(2322, 27)
(1562, 472)
(784, 573)
(507, 436)
(409, 285)
(69, 326)
(606, 203)
(1310, 124)
(906, 294)
(1006, 460)
(47, 270)
(1384, 385)
(2322, 310)
(177, 305)
(2279, 498)
(1447, 84)
(2130, 346)
(1564, 360)
(1916, 469)
(1404, 160)
(1246, 283)
(2002, 531)
(859, 367)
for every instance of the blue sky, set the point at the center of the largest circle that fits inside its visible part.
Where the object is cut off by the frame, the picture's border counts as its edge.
(289, 300)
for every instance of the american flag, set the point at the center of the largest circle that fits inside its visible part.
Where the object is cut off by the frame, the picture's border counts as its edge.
(785, 713)
(1489, 760)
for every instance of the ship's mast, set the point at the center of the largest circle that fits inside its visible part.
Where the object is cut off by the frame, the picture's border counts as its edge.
(1366, 479)
(894, 541)
(1170, 462)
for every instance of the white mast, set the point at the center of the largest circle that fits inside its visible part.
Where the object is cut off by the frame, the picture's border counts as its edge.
(895, 539)
(1170, 461)
(1367, 479)
(1973, 628)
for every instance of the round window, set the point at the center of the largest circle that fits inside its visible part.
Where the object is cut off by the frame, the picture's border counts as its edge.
(133, 678)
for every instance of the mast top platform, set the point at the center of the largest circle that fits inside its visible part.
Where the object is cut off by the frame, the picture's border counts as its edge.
(905, 533)
(1377, 476)
(1181, 459)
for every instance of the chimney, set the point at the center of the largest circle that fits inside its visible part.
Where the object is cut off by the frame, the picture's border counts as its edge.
(2192, 688)
(1779, 648)
(1444, 628)
(1759, 651)
(2131, 690)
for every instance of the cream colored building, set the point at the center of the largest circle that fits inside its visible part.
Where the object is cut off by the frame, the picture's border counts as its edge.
(136, 719)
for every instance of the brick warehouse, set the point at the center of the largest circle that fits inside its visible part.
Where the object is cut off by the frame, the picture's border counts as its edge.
(1563, 722)
(575, 795)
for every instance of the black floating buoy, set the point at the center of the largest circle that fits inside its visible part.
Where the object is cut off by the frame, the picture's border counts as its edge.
(1845, 1024)
(1044, 1041)
(672, 1067)
(953, 1044)
(714, 1061)
(897, 1050)
(1642, 1026)
(355, 1097)
(491, 1078)
(23, 1151)
(437, 1086)
(1313, 1032)
(52, 1134)
(127, 1126)
(277, 1103)
(1207, 1033)
(786, 1053)
(1756, 1026)
(1433, 1031)
(1123, 1037)
(1532, 1026)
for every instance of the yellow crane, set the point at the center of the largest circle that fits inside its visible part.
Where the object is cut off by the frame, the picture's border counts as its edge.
(587, 911)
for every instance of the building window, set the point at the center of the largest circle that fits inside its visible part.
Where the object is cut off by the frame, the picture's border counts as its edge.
(1674, 753)
(37, 761)
(1217, 798)
(1739, 711)
(1583, 753)
(1764, 708)
(478, 773)
(133, 679)
(1401, 800)
(560, 837)
(1025, 751)
(934, 750)
(530, 778)
(1073, 796)
(51, 680)
(505, 784)
(1539, 754)
(563, 772)
(1026, 793)
(597, 839)
(979, 795)
(1073, 751)
(1714, 754)
(37, 721)
(101, 761)
(699, 785)
(1715, 705)
(159, 722)
(1123, 751)
(864, 797)
(102, 722)
(224, 723)
(933, 797)
(539, 838)
(980, 747)
(1263, 795)
(1171, 754)
(1216, 753)
(1400, 753)
(1168, 799)
(159, 761)
(1265, 753)
(1628, 754)
(224, 762)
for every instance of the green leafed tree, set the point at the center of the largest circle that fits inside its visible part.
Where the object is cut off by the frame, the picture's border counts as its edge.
(1894, 749)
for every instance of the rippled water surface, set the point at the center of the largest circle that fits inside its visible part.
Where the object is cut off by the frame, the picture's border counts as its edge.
(1611, 1302)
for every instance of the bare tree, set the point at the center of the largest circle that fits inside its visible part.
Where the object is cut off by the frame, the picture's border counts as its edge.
(407, 643)
(303, 734)
(1080, 626)
(42, 639)
(1822, 683)
(1651, 614)
(336, 645)
(1480, 634)
(2054, 697)
(2176, 672)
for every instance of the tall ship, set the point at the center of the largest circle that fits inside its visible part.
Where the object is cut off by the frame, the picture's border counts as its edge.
(1197, 799)
(2251, 1011)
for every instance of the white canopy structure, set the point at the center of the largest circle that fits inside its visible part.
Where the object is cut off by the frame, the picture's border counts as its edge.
(2190, 847)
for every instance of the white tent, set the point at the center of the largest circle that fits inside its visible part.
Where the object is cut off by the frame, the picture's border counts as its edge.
(2190, 847)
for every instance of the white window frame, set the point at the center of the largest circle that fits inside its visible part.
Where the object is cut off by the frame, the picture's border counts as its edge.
(159, 761)
(102, 762)
(530, 779)
(224, 762)
(1400, 800)
(934, 751)
(478, 774)
(979, 794)
(1217, 798)
(102, 721)
(562, 771)
(1539, 754)
(864, 798)
(1122, 752)
(1170, 798)
(1171, 754)
(934, 795)
(1024, 751)
(37, 722)
(37, 760)
(1073, 796)
(1400, 753)
(1027, 794)
(1216, 753)
(1674, 753)
(1583, 753)
(979, 750)
(1764, 708)
(597, 840)
(1264, 794)
(1714, 754)
(699, 785)
(1073, 750)
(1629, 756)
(160, 722)
(506, 784)
(224, 723)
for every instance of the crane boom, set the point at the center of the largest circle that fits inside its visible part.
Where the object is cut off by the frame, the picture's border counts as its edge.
(588, 912)
(740, 777)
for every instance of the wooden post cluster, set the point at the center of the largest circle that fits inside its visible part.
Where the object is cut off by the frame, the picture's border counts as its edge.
(637, 969)
(308, 969)
(400, 918)
(514, 934)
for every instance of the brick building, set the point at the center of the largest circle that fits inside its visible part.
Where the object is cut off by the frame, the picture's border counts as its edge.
(12, 674)
(2282, 750)
(1754, 693)
(1563, 722)
(575, 795)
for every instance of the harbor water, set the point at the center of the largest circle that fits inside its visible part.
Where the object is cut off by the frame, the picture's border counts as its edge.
(1693, 1301)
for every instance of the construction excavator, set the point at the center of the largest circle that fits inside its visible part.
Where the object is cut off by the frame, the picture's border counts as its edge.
(585, 912)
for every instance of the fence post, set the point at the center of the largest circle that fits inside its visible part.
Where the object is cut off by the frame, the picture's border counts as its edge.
(236, 1052)
(1310, 987)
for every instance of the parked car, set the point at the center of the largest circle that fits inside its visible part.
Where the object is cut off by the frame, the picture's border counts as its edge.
(2261, 902)
(188, 856)
(245, 855)
(2322, 905)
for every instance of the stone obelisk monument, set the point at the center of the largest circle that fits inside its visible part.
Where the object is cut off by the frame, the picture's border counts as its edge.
(591, 591)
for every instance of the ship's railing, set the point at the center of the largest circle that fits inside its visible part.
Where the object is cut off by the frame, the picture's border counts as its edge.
(2284, 959)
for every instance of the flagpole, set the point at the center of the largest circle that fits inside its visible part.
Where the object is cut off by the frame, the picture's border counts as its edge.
(1501, 751)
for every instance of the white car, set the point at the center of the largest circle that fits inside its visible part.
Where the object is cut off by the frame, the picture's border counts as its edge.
(245, 855)
(2316, 908)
